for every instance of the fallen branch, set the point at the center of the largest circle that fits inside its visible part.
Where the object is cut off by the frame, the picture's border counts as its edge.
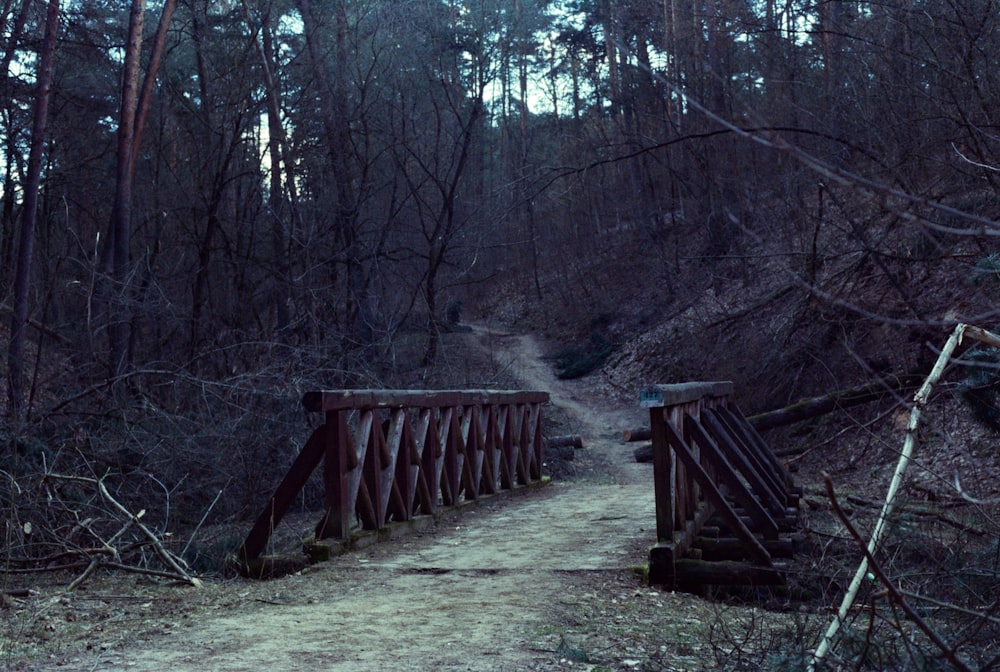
(934, 515)
(919, 400)
(891, 591)
(798, 452)
(175, 569)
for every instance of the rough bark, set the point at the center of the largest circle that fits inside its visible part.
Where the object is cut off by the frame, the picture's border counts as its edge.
(121, 217)
(817, 406)
(637, 434)
(22, 279)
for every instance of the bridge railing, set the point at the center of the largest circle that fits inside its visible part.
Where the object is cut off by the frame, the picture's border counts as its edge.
(721, 494)
(390, 455)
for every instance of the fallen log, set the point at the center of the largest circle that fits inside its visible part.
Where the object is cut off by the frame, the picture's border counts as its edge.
(637, 434)
(692, 574)
(565, 441)
(643, 453)
(817, 406)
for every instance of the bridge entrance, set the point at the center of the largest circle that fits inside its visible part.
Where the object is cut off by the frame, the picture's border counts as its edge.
(726, 507)
(393, 455)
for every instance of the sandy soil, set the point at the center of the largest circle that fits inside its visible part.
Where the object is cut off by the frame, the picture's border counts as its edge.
(516, 583)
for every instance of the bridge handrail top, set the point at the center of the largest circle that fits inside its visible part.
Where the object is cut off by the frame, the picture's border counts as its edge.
(332, 400)
(655, 396)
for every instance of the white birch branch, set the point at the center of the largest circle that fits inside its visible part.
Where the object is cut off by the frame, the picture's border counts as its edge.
(919, 401)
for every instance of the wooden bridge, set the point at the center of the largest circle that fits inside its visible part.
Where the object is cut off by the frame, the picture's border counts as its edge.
(725, 505)
(392, 455)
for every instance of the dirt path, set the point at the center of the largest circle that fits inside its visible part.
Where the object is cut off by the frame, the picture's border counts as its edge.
(499, 587)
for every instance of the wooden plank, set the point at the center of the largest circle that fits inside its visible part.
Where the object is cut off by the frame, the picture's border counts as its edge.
(663, 485)
(759, 441)
(388, 485)
(339, 513)
(302, 467)
(753, 452)
(755, 443)
(451, 437)
(523, 445)
(401, 500)
(754, 475)
(488, 448)
(730, 548)
(361, 500)
(328, 400)
(754, 548)
(688, 493)
(684, 537)
(415, 467)
(682, 393)
(473, 459)
(474, 447)
(727, 473)
(691, 574)
(365, 507)
(507, 458)
(371, 472)
(535, 442)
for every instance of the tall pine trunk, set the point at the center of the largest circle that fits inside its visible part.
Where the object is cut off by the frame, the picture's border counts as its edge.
(22, 279)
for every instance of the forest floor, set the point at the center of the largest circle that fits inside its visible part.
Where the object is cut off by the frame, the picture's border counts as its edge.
(547, 578)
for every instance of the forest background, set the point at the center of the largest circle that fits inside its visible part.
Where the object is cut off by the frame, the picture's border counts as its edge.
(210, 207)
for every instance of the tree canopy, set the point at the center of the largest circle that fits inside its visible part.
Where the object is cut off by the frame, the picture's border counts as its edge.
(331, 177)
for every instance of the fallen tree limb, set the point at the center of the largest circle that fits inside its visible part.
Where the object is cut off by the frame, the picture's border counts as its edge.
(174, 564)
(909, 442)
(894, 594)
(817, 406)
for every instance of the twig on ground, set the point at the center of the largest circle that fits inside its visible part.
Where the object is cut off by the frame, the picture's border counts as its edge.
(173, 563)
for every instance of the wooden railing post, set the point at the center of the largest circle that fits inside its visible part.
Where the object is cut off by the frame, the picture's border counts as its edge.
(662, 479)
(337, 517)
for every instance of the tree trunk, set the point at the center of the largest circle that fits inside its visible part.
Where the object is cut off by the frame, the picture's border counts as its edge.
(8, 226)
(121, 215)
(279, 153)
(811, 408)
(331, 90)
(22, 279)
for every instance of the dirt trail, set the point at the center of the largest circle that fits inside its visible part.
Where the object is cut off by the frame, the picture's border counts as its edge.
(490, 589)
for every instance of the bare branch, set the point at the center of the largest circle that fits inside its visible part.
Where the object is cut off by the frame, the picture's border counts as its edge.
(892, 592)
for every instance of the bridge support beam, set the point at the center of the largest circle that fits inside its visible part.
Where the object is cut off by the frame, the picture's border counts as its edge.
(708, 464)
